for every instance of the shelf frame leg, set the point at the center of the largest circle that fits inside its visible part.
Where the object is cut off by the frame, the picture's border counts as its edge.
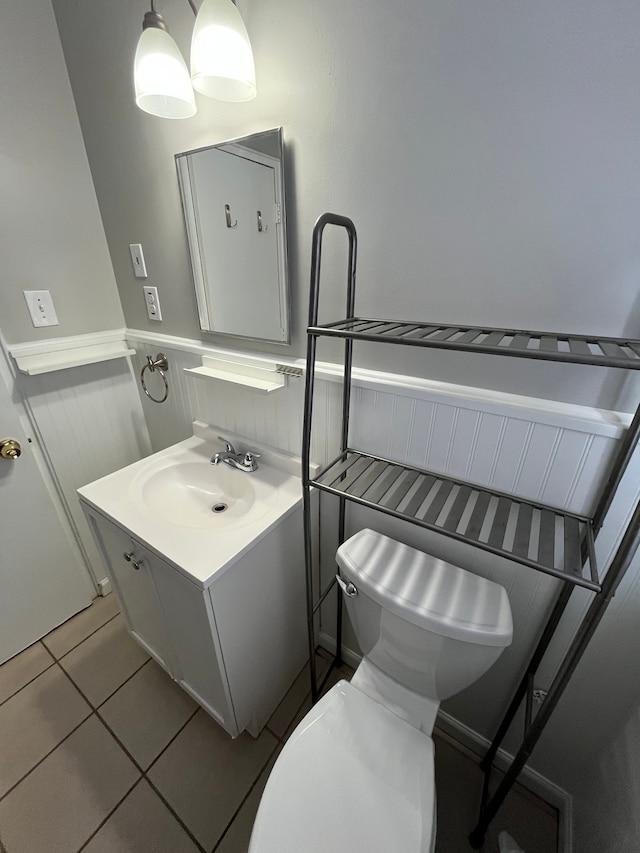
(619, 565)
(314, 290)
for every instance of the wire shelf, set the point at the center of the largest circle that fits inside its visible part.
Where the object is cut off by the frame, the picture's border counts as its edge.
(541, 537)
(549, 346)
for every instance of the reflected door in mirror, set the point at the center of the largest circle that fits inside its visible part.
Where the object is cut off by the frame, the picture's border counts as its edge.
(236, 212)
(232, 198)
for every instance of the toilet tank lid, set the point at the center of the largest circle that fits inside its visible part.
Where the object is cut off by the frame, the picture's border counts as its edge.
(426, 591)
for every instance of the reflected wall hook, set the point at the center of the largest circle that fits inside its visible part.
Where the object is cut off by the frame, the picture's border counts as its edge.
(227, 213)
(261, 227)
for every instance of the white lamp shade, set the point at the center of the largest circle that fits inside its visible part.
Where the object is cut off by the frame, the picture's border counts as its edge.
(222, 64)
(161, 78)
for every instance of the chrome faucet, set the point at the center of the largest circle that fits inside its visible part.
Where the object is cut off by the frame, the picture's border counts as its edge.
(245, 460)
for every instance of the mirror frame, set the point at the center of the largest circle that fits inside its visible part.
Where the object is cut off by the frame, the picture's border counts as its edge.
(205, 315)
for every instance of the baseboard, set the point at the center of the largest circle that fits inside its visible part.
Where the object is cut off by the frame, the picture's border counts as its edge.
(328, 642)
(104, 586)
(478, 744)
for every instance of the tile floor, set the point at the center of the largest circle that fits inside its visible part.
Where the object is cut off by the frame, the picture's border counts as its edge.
(101, 752)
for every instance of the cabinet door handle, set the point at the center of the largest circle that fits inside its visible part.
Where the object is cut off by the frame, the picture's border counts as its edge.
(130, 558)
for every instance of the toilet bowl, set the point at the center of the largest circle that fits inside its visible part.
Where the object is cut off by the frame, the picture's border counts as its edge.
(358, 772)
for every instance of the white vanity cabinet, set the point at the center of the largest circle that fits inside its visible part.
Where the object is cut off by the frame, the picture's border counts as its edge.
(234, 644)
(130, 567)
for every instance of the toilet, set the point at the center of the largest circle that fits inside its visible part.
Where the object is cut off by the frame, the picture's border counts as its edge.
(357, 774)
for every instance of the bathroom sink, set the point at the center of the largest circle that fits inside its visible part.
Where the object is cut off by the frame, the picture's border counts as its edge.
(200, 517)
(198, 494)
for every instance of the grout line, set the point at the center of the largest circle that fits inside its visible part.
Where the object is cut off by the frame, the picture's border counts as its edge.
(44, 757)
(50, 653)
(137, 765)
(115, 616)
(165, 748)
(143, 775)
(172, 811)
(15, 693)
(133, 674)
(283, 736)
(117, 806)
(247, 795)
(87, 700)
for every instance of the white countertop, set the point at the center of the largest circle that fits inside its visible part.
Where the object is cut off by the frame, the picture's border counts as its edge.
(200, 553)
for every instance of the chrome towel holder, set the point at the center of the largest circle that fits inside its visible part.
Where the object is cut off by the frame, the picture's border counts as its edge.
(161, 365)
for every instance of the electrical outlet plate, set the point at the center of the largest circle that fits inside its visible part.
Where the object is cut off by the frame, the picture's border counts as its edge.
(152, 302)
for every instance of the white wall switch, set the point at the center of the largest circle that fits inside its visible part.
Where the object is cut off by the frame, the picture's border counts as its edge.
(153, 303)
(137, 259)
(40, 305)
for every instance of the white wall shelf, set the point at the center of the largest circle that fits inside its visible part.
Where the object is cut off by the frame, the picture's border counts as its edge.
(262, 375)
(62, 353)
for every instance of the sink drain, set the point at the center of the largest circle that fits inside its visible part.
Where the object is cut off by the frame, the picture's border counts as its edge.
(220, 507)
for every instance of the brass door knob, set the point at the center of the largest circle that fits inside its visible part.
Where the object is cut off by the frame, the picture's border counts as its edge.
(10, 448)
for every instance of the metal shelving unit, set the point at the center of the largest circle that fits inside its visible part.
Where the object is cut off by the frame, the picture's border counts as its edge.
(543, 538)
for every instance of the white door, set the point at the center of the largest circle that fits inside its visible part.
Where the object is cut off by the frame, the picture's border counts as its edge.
(42, 581)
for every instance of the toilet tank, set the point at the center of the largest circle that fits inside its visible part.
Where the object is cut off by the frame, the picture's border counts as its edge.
(428, 624)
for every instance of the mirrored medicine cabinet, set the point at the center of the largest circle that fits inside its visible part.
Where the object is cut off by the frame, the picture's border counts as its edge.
(233, 204)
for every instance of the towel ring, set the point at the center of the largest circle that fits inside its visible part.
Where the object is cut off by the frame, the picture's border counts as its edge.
(161, 365)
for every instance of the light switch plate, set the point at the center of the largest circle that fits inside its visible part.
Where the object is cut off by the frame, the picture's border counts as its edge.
(41, 310)
(137, 259)
(153, 303)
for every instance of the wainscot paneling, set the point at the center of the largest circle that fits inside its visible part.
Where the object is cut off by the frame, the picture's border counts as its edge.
(89, 422)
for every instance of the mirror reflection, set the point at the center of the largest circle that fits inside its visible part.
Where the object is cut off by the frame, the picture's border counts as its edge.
(233, 205)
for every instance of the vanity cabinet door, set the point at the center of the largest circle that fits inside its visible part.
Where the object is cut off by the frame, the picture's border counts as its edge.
(129, 567)
(200, 665)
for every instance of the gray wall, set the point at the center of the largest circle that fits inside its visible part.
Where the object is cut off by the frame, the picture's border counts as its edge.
(486, 151)
(51, 234)
(607, 818)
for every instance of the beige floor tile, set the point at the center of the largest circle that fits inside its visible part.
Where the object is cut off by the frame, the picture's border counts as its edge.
(22, 669)
(280, 720)
(34, 721)
(104, 661)
(147, 711)
(141, 824)
(66, 798)
(205, 775)
(79, 627)
(236, 838)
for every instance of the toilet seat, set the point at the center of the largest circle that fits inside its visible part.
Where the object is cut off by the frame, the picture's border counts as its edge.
(353, 776)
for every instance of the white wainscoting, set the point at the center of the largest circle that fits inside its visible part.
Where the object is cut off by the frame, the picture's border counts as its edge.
(89, 422)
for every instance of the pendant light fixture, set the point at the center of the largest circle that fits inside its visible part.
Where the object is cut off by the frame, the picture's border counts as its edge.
(222, 64)
(162, 84)
(221, 57)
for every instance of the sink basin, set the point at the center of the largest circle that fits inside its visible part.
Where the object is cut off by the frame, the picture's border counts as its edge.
(199, 517)
(198, 494)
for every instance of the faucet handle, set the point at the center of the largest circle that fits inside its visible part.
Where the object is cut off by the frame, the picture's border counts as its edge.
(249, 460)
(229, 448)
